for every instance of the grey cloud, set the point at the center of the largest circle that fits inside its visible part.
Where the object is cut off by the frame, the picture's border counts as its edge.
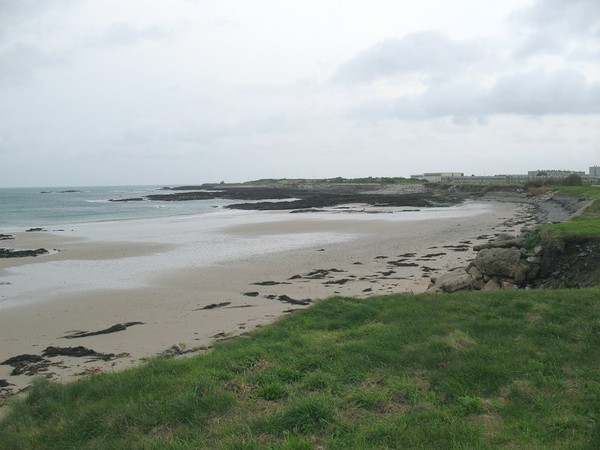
(551, 25)
(428, 52)
(20, 61)
(124, 34)
(577, 16)
(533, 93)
(11, 10)
(541, 93)
(14, 12)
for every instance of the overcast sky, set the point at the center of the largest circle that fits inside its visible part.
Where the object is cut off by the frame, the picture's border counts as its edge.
(102, 92)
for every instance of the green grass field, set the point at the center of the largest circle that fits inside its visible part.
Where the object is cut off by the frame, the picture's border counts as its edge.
(584, 226)
(506, 369)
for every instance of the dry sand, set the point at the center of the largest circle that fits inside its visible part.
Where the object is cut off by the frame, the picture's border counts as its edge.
(154, 278)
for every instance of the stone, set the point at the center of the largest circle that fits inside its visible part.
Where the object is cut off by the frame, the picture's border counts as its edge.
(505, 237)
(534, 271)
(474, 271)
(171, 352)
(478, 284)
(491, 285)
(521, 273)
(498, 261)
(508, 285)
(452, 282)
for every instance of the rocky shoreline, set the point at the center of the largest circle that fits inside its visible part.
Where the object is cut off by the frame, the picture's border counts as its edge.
(308, 197)
(296, 196)
(517, 262)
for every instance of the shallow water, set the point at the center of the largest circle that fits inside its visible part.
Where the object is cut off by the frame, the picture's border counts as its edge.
(42, 207)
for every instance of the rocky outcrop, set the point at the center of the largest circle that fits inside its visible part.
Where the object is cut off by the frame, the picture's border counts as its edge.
(10, 253)
(552, 264)
(301, 198)
(501, 264)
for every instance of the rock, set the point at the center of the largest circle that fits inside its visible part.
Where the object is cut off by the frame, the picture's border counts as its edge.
(508, 285)
(171, 352)
(505, 237)
(113, 329)
(474, 271)
(452, 281)
(268, 283)
(498, 261)
(506, 243)
(399, 263)
(286, 299)
(491, 285)
(77, 352)
(27, 364)
(521, 273)
(10, 253)
(517, 243)
(534, 271)
(340, 281)
(478, 284)
(215, 305)
(125, 200)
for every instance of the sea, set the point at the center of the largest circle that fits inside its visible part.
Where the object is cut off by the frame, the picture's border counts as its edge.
(40, 207)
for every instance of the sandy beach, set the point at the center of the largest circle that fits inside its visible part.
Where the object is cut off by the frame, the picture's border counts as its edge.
(189, 281)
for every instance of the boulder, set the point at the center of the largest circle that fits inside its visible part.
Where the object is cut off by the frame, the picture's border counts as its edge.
(506, 284)
(505, 237)
(171, 352)
(478, 284)
(452, 281)
(474, 271)
(491, 285)
(502, 243)
(498, 261)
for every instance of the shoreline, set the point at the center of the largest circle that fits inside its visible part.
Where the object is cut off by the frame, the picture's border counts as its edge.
(191, 303)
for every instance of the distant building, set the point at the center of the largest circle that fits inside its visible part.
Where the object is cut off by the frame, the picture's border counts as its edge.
(546, 176)
(495, 179)
(553, 173)
(437, 177)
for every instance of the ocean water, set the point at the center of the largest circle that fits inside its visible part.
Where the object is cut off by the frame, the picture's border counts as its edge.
(40, 207)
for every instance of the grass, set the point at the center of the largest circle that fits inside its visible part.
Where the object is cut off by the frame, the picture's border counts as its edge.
(512, 369)
(584, 226)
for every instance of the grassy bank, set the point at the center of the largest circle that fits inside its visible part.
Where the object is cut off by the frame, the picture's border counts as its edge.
(584, 226)
(511, 369)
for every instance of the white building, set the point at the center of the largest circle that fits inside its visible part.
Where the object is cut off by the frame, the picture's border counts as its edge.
(437, 177)
(553, 173)
(595, 171)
